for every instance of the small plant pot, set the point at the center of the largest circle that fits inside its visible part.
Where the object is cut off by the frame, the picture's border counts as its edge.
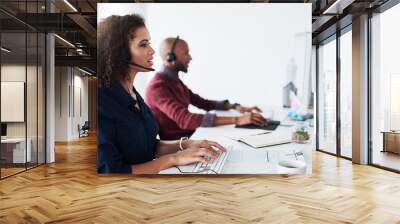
(301, 137)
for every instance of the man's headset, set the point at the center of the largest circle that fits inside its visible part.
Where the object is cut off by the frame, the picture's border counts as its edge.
(171, 56)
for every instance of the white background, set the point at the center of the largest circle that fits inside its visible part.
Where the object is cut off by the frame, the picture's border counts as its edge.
(240, 51)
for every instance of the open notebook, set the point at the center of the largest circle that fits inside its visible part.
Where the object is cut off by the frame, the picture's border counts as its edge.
(266, 139)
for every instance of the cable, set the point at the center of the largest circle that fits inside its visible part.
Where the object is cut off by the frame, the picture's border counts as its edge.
(193, 172)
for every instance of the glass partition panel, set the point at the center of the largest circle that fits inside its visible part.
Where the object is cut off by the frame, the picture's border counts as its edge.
(327, 96)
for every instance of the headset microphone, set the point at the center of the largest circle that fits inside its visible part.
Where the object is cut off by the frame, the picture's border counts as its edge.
(140, 66)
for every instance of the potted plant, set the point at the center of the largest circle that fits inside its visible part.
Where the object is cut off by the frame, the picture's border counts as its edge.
(301, 134)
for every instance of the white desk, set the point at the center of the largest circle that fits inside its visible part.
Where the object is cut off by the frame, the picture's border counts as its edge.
(16, 146)
(249, 160)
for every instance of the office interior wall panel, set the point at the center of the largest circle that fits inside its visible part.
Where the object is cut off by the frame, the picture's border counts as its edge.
(41, 116)
(14, 73)
(41, 99)
(71, 102)
(92, 86)
(50, 90)
(12, 101)
(77, 111)
(80, 102)
(62, 101)
(31, 110)
(360, 90)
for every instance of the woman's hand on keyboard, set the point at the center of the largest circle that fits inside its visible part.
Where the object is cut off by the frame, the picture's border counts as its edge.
(193, 155)
(211, 145)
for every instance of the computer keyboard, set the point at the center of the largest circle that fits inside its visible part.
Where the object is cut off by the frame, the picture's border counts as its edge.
(213, 166)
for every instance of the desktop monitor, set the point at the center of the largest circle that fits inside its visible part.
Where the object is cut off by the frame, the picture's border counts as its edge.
(298, 88)
(3, 130)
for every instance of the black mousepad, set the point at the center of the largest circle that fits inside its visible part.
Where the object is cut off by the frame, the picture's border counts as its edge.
(272, 125)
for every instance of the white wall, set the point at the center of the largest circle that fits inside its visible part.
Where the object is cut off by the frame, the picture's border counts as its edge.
(80, 84)
(12, 100)
(240, 51)
(61, 103)
(14, 73)
(67, 115)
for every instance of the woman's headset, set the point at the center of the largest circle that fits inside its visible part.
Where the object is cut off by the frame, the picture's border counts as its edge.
(130, 62)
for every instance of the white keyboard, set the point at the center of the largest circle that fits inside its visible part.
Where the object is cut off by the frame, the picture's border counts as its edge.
(214, 166)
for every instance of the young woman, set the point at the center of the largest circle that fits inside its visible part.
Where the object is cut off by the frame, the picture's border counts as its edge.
(127, 131)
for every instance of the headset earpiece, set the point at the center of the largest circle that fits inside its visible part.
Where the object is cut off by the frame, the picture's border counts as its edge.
(171, 56)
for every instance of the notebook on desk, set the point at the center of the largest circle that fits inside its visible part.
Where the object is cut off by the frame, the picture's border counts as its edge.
(271, 125)
(267, 139)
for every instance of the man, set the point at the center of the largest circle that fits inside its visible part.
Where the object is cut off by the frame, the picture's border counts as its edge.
(169, 98)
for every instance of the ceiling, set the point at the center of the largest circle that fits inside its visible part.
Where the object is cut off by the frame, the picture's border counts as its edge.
(76, 23)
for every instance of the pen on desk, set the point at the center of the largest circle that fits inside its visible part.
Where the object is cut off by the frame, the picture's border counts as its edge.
(263, 133)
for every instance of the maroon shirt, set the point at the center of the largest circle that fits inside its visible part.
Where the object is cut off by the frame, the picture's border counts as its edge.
(169, 98)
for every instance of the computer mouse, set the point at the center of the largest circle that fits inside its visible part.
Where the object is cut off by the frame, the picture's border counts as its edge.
(273, 122)
(292, 164)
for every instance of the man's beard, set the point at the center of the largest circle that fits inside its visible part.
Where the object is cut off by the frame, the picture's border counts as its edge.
(181, 67)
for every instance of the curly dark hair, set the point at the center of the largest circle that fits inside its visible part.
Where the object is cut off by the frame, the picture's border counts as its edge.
(113, 53)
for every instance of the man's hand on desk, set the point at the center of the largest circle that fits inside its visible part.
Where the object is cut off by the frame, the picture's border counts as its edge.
(251, 118)
(242, 109)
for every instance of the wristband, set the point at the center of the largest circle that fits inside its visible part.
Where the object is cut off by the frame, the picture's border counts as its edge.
(180, 143)
(235, 105)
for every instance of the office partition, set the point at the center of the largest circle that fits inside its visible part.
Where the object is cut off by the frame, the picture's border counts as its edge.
(327, 96)
(385, 86)
(346, 92)
(334, 103)
(22, 77)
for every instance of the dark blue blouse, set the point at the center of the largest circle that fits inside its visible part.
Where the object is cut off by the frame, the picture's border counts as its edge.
(125, 136)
